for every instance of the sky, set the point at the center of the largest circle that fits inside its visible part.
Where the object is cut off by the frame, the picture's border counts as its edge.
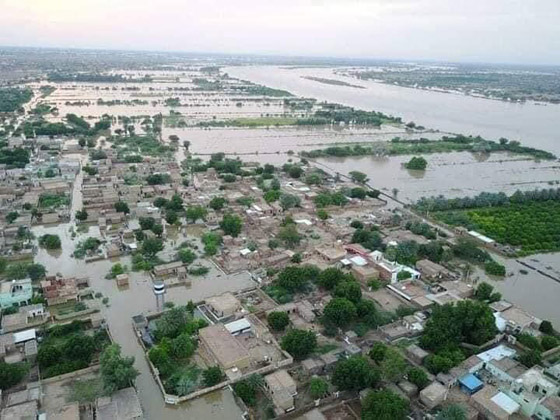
(502, 31)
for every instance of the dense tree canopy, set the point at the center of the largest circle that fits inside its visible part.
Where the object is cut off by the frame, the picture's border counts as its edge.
(384, 405)
(467, 321)
(299, 343)
(355, 374)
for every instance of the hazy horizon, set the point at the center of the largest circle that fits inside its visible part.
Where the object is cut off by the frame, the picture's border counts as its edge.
(501, 31)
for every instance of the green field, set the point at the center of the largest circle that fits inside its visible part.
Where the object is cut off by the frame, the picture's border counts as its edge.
(533, 227)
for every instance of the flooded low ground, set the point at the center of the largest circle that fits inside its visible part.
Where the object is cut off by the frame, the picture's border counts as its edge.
(284, 139)
(451, 174)
(530, 123)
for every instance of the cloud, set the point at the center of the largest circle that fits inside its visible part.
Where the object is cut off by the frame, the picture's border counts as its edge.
(496, 30)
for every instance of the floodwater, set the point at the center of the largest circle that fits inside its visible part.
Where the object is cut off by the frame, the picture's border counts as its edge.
(139, 298)
(531, 123)
(453, 174)
(283, 139)
(450, 174)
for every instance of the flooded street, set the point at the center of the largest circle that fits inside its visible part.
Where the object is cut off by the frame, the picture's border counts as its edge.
(139, 298)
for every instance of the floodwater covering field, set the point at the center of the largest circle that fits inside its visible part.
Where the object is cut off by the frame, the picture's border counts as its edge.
(530, 123)
(450, 174)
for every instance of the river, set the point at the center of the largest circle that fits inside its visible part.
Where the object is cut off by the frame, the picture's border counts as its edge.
(530, 123)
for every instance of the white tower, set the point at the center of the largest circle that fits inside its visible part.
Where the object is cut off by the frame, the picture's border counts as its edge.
(159, 291)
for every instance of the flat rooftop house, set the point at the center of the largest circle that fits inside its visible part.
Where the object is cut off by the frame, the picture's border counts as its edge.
(433, 395)
(517, 319)
(224, 305)
(121, 405)
(15, 292)
(223, 347)
(470, 384)
(282, 388)
(176, 268)
(431, 269)
(58, 291)
(493, 404)
(331, 253)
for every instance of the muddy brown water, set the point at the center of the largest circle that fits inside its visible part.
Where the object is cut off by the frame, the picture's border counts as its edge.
(453, 174)
(531, 123)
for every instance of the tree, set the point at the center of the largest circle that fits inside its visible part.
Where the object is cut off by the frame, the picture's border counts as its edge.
(485, 293)
(272, 195)
(194, 213)
(289, 236)
(117, 372)
(82, 215)
(117, 270)
(295, 171)
(467, 321)
(339, 312)
(12, 216)
(452, 412)
(36, 271)
(287, 201)
(278, 320)
(152, 246)
(330, 277)
(122, 207)
(549, 342)
(350, 290)
(393, 366)
(384, 405)
(358, 177)
(247, 392)
(443, 361)
(171, 217)
(368, 313)
(417, 163)
(157, 229)
(147, 223)
(318, 388)
(358, 192)
(531, 358)
(182, 347)
(299, 343)
(186, 256)
(546, 327)
(49, 355)
(12, 373)
(231, 224)
(175, 204)
(217, 203)
(355, 374)
(322, 214)
(495, 269)
(212, 376)
(49, 241)
(293, 278)
(418, 377)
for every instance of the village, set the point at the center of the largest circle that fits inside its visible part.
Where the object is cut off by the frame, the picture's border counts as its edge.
(138, 277)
